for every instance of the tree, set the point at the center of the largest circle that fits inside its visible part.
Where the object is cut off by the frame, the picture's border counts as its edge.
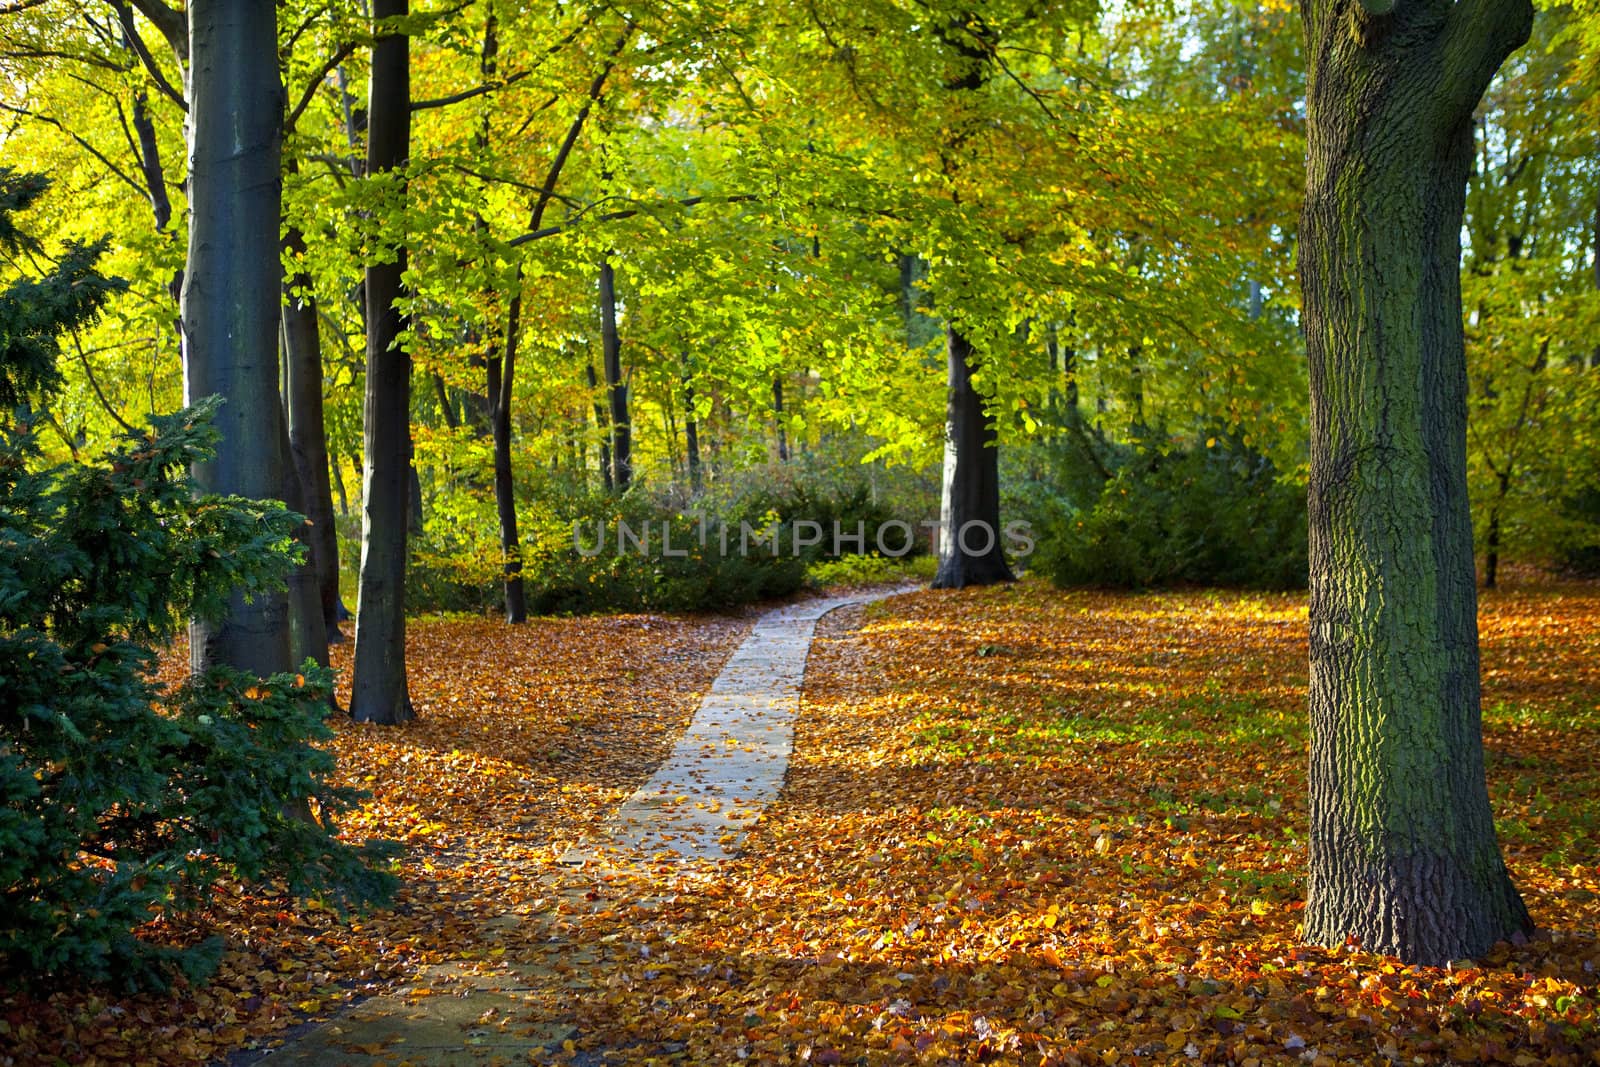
(1403, 849)
(1531, 308)
(970, 551)
(121, 801)
(379, 691)
(611, 346)
(232, 289)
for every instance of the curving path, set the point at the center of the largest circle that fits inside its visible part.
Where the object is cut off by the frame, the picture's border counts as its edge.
(728, 766)
(730, 763)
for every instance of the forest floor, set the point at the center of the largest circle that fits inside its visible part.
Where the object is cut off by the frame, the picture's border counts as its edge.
(1019, 825)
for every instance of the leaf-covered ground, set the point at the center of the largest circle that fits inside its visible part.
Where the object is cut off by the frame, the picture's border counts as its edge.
(1021, 826)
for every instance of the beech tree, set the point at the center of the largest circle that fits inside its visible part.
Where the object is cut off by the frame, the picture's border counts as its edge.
(1403, 850)
(231, 293)
(378, 686)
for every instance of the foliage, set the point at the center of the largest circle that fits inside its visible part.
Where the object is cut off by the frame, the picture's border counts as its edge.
(870, 569)
(122, 802)
(1213, 513)
(566, 568)
(34, 312)
(1531, 292)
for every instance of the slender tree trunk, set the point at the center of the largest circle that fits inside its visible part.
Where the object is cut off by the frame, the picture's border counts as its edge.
(501, 375)
(447, 406)
(308, 442)
(1403, 849)
(777, 415)
(308, 634)
(231, 289)
(1491, 540)
(621, 431)
(970, 548)
(601, 425)
(150, 161)
(415, 520)
(150, 165)
(691, 436)
(669, 425)
(338, 484)
(379, 691)
(1594, 358)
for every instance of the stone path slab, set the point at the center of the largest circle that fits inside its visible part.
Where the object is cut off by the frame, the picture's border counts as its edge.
(731, 761)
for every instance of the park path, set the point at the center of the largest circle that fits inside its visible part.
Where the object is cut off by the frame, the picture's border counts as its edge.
(730, 763)
(693, 812)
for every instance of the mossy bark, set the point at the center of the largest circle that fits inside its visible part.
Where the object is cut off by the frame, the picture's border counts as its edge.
(1403, 850)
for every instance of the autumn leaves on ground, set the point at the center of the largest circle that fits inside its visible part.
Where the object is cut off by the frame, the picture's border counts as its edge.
(1020, 826)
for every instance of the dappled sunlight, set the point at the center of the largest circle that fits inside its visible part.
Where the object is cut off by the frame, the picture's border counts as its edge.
(1019, 825)
(953, 875)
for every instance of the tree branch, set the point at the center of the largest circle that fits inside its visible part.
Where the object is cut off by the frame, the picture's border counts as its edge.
(91, 149)
(1478, 36)
(172, 24)
(595, 88)
(131, 38)
(83, 357)
(467, 94)
(627, 213)
(314, 84)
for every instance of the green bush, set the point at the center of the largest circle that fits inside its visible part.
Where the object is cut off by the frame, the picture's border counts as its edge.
(1213, 514)
(449, 572)
(572, 561)
(1577, 532)
(119, 802)
(854, 570)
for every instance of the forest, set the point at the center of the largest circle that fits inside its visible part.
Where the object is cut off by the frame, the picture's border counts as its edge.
(799, 532)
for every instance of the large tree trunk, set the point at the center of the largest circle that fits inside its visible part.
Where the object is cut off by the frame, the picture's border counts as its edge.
(970, 551)
(308, 442)
(231, 290)
(378, 688)
(621, 432)
(1403, 849)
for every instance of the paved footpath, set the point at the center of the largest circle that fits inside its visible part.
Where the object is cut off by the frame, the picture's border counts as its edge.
(730, 763)
(694, 811)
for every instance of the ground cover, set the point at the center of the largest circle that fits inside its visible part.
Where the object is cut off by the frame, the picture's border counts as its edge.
(1021, 825)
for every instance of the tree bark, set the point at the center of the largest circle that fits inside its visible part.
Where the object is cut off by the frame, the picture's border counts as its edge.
(621, 432)
(229, 302)
(379, 691)
(308, 441)
(691, 436)
(601, 425)
(308, 635)
(1403, 850)
(777, 417)
(500, 376)
(970, 551)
